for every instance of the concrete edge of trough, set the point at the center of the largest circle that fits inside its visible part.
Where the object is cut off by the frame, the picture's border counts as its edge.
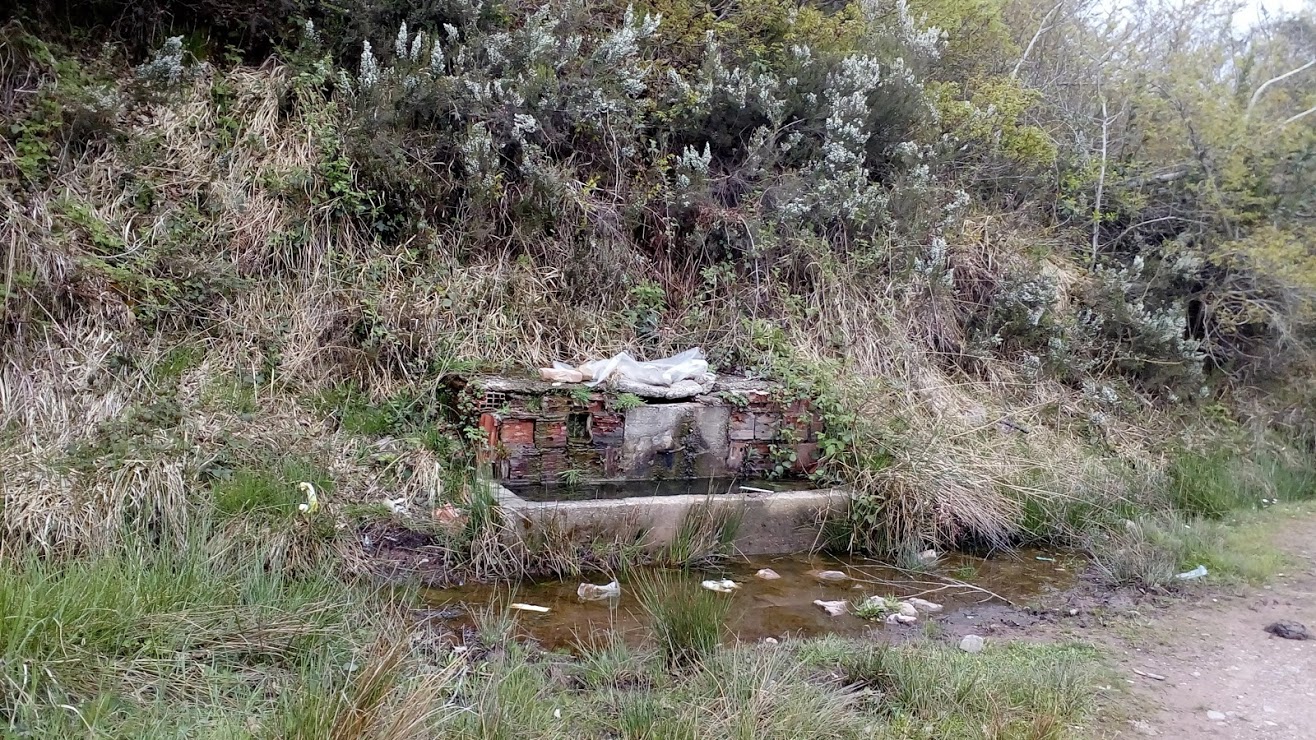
(770, 523)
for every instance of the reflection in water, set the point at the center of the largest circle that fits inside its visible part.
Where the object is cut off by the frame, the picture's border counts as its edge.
(776, 608)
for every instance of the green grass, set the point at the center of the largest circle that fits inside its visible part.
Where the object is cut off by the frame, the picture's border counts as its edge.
(269, 492)
(204, 641)
(688, 621)
(152, 642)
(1150, 550)
(1216, 484)
(933, 690)
(1220, 510)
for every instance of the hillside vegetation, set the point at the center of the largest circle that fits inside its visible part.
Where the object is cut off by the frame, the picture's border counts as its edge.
(1011, 247)
(1049, 273)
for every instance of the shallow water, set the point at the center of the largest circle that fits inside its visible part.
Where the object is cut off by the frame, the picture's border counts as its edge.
(776, 608)
(625, 489)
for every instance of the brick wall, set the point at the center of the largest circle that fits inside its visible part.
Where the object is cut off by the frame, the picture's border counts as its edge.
(535, 433)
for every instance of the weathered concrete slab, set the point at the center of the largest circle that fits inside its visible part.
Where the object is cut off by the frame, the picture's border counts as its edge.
(770, 523)
(687, 440)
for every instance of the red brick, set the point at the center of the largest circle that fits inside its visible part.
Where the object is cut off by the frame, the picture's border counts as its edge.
(550, 433)
(489, 424)
(523, 467)
(758, 458)
(552, 463)
(741, 426)
(517, 432)
(607, 428)
(798, 427)
(807, 456)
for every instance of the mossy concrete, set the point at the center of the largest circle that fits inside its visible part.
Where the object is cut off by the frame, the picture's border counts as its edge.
(770, 523)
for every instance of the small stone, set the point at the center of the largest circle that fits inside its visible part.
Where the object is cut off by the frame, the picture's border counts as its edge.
(834, 608)
(1142, 727)
(924, 605)
(1073, 612)
(972, 644)
(1215, 716)
(768, 574)
(900, 619)
(770, 641)
(831, 576)
(907, 609)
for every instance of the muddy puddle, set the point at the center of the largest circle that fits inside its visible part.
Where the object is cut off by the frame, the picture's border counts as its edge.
(774, 608)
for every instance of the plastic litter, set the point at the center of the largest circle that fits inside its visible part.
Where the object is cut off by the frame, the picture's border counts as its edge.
(1194, 574)
(689, 365)
(901, 619)
(561, 373)
(724, 586)
(528, 608)
(591, 592)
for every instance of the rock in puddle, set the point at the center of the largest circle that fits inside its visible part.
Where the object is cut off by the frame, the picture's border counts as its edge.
(768, 574)
(972, 644)
(923, 605)
(830, 576)
(834, 608)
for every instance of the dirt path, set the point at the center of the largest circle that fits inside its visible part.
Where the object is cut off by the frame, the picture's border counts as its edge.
(1224, 676)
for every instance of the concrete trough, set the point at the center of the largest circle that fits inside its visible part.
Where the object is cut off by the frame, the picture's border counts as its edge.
(770, 522)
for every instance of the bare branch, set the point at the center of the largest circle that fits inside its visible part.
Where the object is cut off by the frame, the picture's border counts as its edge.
(1257, 95)
(1041, 29)
(1101, 180)
(1299, 116)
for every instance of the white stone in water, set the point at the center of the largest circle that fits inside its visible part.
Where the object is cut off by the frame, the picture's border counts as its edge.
(972, 644)
(834, 608)
(923, 605)
(768, 574)
(832, 576)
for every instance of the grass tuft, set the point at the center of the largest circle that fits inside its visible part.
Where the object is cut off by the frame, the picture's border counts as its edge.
(688, 621)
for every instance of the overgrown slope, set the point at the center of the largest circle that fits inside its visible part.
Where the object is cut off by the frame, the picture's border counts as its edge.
(1010, 265)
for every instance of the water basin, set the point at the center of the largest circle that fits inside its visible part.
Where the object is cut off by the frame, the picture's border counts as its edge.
(775, 608)
(618, 489)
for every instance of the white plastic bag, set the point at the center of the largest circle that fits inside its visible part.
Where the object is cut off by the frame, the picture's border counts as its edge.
(690, 364)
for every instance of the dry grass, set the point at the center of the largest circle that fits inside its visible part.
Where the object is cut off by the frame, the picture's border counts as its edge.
(316, 301)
